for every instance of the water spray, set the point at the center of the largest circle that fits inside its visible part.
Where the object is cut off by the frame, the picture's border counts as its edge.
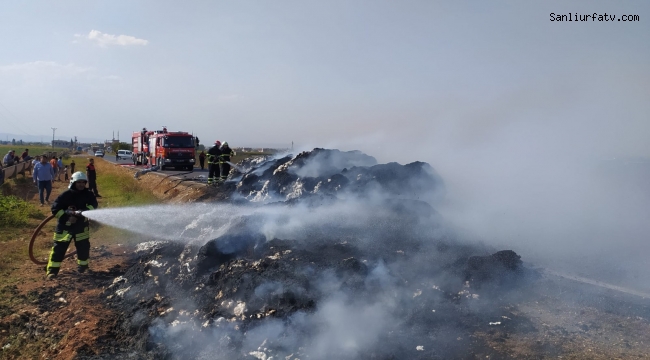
(241, 170)
(184, 223)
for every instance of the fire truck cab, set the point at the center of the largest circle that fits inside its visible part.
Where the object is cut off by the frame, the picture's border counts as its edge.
(164, 149)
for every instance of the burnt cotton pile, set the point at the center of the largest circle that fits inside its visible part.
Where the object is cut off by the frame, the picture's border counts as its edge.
(335, 257)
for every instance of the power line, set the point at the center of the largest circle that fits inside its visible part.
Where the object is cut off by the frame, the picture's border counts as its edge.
(15, 124)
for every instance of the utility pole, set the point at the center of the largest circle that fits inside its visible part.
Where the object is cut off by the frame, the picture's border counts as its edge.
(53, 131)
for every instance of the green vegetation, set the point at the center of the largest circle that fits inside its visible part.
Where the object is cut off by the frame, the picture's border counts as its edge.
(16, 212)
(34, 150)
(122, 146)
(119, 190)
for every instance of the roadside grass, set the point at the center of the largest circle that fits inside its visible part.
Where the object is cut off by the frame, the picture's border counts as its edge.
(15, 211)
(18, 212)
(117, 186)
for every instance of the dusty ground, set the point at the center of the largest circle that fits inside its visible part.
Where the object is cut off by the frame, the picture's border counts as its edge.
(63, 318)
(569, 320)
(69, 318)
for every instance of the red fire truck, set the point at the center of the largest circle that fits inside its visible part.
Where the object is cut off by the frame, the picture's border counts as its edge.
(165, 149)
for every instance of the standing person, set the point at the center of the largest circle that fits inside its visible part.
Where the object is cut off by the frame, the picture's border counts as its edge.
(213, 162)
(72, 166)
(202, 159)
(59, 164)
(43, 175)
(71, 224)
(2, 174)
(224, 163)
(65, 173)
(91, 176)
(55, 166)
(35, 161)
(117, 157)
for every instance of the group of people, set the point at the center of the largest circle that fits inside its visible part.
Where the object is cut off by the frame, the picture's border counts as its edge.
(11, 159)
(46, 172)
(218, 157)
(57, 166)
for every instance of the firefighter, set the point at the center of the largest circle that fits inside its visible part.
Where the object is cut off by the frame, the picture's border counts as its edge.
(224, 163)
(213, 162)
(71, 224)
(202, 159)
(91, 177)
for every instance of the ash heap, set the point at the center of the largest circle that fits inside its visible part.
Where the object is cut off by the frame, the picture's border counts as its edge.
(325, 255)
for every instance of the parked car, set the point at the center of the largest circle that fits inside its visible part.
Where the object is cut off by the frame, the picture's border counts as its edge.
(124, 154)
(99, 153)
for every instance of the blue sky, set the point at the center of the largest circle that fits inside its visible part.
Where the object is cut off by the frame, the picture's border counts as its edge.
(512, 109)
(319, 73)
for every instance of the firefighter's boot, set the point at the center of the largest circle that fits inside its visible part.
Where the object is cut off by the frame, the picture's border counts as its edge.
(52, 273)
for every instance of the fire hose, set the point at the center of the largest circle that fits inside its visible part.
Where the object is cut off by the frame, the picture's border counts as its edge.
(35, 234)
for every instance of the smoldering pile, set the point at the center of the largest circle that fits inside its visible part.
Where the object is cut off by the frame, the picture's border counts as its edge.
(341, 258)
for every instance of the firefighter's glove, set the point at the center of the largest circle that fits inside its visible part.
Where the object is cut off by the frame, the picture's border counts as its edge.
(72, 215)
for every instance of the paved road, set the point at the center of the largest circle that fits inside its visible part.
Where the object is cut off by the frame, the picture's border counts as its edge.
(127, 162)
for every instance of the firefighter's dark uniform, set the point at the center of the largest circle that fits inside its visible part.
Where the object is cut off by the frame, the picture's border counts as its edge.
(91, 174)
(213, 164)
(224, 167)
(71, 199)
